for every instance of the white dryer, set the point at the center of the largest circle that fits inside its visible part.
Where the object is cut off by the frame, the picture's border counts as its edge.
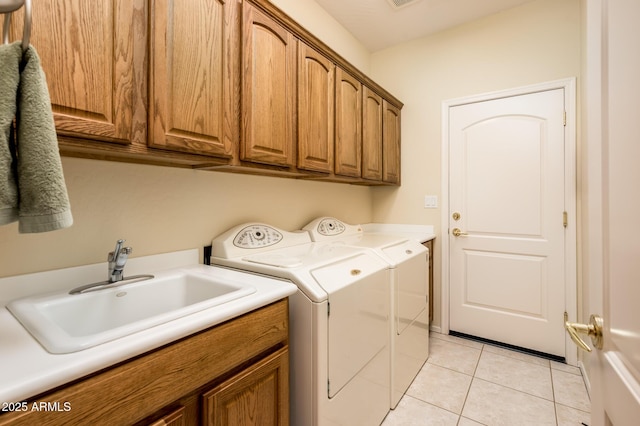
(339, 321)
(409, 293)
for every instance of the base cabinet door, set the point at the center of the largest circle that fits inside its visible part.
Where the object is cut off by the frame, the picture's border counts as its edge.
(174, 418)
(257, 396)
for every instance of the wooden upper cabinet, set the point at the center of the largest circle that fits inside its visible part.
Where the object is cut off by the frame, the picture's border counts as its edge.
(348, 160)
(371, 135)
(269, 90)
(316, 110)
(390, 143)
(93, 54)
(193, 89)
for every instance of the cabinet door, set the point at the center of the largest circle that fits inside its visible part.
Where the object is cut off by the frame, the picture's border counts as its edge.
(258, 395)
(92, 53)
(174, 418)
(269, 84)
(371, 135)
(390, 143)
(348, 153)
(316, 92)
(192, 83)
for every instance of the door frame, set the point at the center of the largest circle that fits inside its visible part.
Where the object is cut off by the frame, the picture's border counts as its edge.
(570, 201)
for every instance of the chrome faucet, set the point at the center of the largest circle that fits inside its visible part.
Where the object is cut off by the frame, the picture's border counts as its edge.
(117, 259)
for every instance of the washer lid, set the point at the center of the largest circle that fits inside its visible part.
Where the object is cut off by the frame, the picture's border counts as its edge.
(278, 260)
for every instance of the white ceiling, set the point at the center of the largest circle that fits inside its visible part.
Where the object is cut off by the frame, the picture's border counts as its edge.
(378, 24)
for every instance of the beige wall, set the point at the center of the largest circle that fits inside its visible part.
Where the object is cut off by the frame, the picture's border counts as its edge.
(536, 42)
(160, 209)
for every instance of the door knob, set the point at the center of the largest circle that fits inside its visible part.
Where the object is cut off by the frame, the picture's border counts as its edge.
(593, 329)
(457, 232)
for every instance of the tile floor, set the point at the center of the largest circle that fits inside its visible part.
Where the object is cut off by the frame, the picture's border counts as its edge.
(467, 383)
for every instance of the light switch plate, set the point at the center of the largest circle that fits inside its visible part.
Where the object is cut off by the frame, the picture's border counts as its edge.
(430, 201)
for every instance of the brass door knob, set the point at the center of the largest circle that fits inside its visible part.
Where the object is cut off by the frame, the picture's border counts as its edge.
(593, 329)
(457, 232)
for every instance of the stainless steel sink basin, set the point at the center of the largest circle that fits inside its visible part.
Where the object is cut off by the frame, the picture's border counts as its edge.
(65, 323)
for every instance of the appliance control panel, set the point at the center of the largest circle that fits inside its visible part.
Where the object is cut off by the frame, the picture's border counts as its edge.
(250, 238)
(330, 226)
(327, 228)
(256, 236)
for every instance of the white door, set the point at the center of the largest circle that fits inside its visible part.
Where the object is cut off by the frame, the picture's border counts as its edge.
(614, 173)
(506, 227)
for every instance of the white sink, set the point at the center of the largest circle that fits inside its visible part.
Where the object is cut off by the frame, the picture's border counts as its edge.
(65, 323)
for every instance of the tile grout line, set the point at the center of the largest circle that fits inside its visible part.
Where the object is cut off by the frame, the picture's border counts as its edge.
(473, 377)
(553, 393)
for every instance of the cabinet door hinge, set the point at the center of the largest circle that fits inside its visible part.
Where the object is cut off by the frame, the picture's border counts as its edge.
(564, 118)
(565, 219)
(328, 308)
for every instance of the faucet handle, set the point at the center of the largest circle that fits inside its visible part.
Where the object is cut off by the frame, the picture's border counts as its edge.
(119, 244)
(113, 255)
(120, 258)
(117, 259)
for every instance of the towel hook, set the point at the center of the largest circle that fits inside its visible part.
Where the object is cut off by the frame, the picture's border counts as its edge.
(7, 7)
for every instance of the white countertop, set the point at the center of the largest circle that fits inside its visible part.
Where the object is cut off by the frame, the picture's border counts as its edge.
(27, 369)
(421, 233)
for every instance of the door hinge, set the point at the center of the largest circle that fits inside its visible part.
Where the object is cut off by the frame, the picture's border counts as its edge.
(328, 309)
(565, 219)
(564, 118)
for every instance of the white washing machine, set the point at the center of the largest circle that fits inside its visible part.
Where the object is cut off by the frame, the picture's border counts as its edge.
(408, 260)
(339, 321)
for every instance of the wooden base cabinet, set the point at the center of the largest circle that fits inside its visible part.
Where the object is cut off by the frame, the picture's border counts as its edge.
(235, 373)
(252, 397)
